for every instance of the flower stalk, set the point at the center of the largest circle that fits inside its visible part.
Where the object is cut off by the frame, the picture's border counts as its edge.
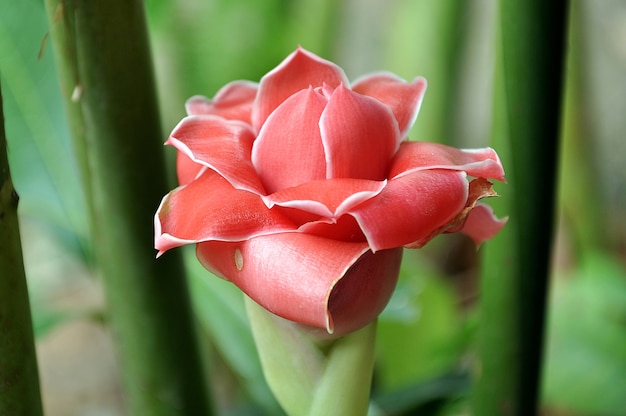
(106, 76)
(19, 380)
(310, 374)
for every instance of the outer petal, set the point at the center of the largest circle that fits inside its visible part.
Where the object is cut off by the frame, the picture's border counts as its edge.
(288, 150)
(415, 156)
(412, 208)
(209, 208)
(327, 198)
(300, 70)
(360, 136)
(311, 280)
(222, 145)
(233, 101)
(186, 169)
(482, 224)
(405, 99)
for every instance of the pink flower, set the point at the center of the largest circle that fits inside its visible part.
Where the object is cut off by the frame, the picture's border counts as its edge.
(303, 189)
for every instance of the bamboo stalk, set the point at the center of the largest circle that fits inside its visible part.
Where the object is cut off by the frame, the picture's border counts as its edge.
(106, 75)
(515, 280)
(19, 380)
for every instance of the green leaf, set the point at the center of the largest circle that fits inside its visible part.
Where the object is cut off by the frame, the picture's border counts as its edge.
(40, 152)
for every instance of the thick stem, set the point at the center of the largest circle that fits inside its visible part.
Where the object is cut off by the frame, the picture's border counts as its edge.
(106, 75)
(19, 380)
(515, 279)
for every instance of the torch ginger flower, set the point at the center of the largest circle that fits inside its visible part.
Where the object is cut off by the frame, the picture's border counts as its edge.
(303, 189)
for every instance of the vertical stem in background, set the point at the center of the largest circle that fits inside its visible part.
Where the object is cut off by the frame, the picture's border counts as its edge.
(105, 67)
(19, 381)
(515, 280)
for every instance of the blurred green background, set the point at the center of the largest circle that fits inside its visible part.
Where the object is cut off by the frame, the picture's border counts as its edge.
(425, 344)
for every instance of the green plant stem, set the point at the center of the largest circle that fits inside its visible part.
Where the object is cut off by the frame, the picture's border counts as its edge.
(19, 380)
(106, 76)
(311, 375)
(516, 269)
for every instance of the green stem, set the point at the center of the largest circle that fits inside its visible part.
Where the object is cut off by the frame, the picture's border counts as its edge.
(309, 374)
(19, 380)
(106, 75)
(515, 278)
(344, 388)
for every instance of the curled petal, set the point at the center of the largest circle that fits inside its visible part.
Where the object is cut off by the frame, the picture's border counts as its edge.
(326, 198)
(404, 98)
(481, 224)
(300, 70)
(346, 287)
(288, 150)
(233, 101)
(414, 156)
(412, 208)
(360, 136)
(222, 145)
(209, 208)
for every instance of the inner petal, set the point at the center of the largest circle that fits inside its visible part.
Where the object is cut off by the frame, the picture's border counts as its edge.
(298, 71)
(327, 198)
(360, 136)
(288, 150)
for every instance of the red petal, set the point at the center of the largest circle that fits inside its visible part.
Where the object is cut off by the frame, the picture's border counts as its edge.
(233, 101)
(327, 198)
(300, 70)
(414, 156)
(186, 169)
(222, 145)
(301, 277)
(360, 136)
(209, 208)
(482, 224)
(403, 97)
(288, 150)
(344, 228)
(411, 208)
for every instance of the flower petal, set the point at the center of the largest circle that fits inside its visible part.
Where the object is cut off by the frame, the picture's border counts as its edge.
(414, 156)
(186, 169)
(344, 228)
(360, 136)
(328, 197)
(288, 150)
(222, 145)
(481, 224)
(233, 101)
(346, 286)
(300, 70)
(412, 208)
(403, 97)
(209, 208)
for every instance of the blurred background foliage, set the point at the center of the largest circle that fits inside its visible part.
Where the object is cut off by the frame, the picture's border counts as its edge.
(425, 344)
